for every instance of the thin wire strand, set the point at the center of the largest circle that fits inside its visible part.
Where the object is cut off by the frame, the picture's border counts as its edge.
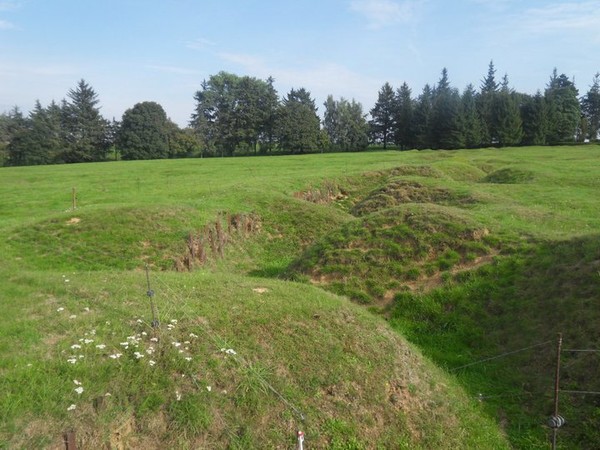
(585, 350)
(501, 355)
(580, 392)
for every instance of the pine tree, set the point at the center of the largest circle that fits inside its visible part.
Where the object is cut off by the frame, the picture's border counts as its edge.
(422, 118)
(382, 124)
(445, 121)
(564, 110)
(507, 116)
(485, 105)
(404, 135)
(535, 120)
(471, 121)
(298, 123)
(85, 128)
(590, 105)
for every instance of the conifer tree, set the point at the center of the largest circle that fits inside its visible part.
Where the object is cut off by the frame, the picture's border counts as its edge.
(564, 110)
(86, 131)
(590, 106)
(382, 124)
(404, 135)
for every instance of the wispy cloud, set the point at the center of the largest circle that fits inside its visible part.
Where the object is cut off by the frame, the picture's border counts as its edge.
(5, 25)
(577, 16)
(6, 5)
(200, 44)
(171, 69)
(382, 13)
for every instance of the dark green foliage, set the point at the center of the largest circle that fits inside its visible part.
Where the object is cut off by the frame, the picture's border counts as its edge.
(590, 106)
(86, 131)
(445, 120)
(485, 102)
(298, 124)
(535, 119)
(564, 111)
(422, 118)
(345, 125)
(508, 126)
(471, 120)
(235, 113)
(144, 132)
(404, 136)
(382, 124)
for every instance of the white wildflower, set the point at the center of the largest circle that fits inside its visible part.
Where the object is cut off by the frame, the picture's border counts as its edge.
(209, 388)
(115, 355)
(178, 395)
(66, 280)
(77, 382)
(154, 339)
(79, 390)
(176, 344)
(101, 346)
(138, 355)
(71, 408)
(174, 321)
(88, 341)
(108, 394)
(139, 321)
(72, 360)
(188, 358)
(151, 362)
(73, 316)
(74, 346)
(60, 309)
(186, 342)
(192, 335)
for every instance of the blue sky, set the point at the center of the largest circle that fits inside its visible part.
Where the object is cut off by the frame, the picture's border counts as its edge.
(147, 50)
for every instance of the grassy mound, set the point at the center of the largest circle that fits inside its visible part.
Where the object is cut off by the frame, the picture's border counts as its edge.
(234, 364)
(509, 176)
(398, 191)
(385, 251)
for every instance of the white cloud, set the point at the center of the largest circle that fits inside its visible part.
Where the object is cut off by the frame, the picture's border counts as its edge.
(7, 5)
(200, 44)
(5, 25)
(382, 13)
(576, 16)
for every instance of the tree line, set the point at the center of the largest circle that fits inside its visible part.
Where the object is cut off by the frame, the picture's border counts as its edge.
(245, 115)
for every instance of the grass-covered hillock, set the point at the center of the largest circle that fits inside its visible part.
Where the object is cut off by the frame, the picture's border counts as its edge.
(235, 363)
(371, 257)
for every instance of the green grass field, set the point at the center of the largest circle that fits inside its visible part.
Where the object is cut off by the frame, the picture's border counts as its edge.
(300, 292)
